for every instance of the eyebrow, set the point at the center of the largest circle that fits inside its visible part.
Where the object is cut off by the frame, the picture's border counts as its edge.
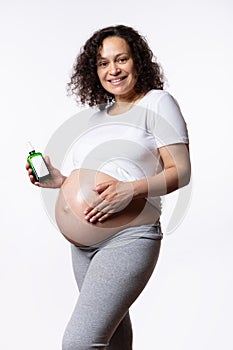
(119, 54)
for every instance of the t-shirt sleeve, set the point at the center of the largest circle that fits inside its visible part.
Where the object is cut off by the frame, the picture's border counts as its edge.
(167, 124)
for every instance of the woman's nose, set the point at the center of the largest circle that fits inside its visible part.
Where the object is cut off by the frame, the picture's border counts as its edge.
(114, 69)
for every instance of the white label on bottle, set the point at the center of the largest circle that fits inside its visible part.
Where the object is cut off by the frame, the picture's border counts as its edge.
(40, 166)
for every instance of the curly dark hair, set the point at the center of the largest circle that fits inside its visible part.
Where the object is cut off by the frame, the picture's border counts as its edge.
(85, 84)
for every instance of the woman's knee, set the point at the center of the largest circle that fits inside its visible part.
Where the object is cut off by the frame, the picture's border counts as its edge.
(71, 342)
(83, 342)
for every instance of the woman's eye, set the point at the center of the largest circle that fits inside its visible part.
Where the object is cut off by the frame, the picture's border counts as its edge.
(102, 64)
(122, 60)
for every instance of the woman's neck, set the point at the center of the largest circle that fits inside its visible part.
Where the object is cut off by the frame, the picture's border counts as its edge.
(131, 97)
(123, 104)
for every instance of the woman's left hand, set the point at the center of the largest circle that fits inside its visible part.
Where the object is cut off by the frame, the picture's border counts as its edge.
(114, 196)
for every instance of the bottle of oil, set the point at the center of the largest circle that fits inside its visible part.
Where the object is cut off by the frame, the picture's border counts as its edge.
(38, 165)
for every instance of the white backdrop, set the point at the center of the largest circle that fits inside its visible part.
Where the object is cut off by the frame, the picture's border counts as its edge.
(188, 301)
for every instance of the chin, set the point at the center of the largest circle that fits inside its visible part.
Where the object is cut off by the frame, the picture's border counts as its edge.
(119, 92)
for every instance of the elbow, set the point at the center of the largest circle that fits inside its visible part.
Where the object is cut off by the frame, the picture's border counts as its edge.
(185, 177)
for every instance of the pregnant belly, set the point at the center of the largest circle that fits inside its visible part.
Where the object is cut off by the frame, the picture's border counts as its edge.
(77, 193)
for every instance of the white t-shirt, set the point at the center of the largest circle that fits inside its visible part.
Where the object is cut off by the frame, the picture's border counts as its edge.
(125, 146)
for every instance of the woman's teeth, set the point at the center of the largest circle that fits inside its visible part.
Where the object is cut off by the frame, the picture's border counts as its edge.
(116, 80)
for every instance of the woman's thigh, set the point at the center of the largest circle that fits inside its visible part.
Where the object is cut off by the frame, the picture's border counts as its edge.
(114, 279)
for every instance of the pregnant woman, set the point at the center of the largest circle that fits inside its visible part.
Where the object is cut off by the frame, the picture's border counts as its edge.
(134, 150)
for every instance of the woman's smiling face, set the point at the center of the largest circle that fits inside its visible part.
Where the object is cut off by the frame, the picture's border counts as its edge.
(115, 68)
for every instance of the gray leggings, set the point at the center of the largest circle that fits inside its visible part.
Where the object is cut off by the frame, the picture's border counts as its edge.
(110, 276)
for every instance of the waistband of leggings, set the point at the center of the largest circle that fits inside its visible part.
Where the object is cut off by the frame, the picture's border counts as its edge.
(150, 231)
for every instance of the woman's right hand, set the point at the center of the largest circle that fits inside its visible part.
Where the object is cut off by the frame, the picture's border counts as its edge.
(56, 180)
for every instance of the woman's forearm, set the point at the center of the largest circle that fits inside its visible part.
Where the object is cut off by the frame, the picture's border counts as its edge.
(163, 183)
